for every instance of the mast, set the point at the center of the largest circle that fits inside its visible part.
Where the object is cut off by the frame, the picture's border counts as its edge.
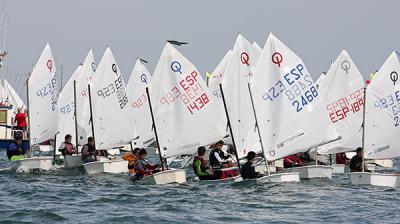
(258, 129)
(91, 115)
(76, 119)
(155, 129)
(363, 131)
(29, 116)
(54, 149)
(229, 125)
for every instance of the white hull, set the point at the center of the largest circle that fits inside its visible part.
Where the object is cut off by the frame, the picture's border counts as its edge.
(340, 169)
(280, 178)
(263, 169)
(375, 179)
(44, 163)
(313, 171)
(106, 166)
(73, 161)
(166, 177)
(225, 180)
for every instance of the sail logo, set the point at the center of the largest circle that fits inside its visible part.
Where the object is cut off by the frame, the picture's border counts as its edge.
(244, 58)
(93, 67)
(345, 65)
(394, 76)
(143, 78)
(277, 59)
(176, 67)
(50, 65)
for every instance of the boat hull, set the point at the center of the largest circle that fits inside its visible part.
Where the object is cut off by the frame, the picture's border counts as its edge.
(225, 180)
(73, 161)
(340, 169)
(313, 171)
(375, 179)
(166, 177)
(43, 163)
(280, 178)
(106, 166)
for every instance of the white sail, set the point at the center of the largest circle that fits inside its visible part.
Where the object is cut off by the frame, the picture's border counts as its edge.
(42, 94)
(138, 104)
(3, 93)
(217, 74)
(66, 110)
(13, 98)
(110, 105)
(237, 96)
(382, 121)
(342, 91)
(82, 79)
(290, 113)
(186, 115)
(257, 51)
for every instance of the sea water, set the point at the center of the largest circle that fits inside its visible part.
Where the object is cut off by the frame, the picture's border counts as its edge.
(70, 196)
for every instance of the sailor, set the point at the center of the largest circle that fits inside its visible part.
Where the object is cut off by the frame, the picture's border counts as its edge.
(292, 161)
(199, 166)
(20, 122)
(15, 150)
(67, 148)
(357, 161)
(341, 158)
(218, 159)
(248, 170)
(143, 167)
(89, 151)
(131, 157)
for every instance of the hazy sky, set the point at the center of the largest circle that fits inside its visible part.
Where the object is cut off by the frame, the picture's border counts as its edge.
(316, 30)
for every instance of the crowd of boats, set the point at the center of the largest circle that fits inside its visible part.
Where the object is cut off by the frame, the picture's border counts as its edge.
(261, 102)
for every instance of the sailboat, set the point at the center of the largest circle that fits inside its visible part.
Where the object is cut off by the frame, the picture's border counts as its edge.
(342, 91)
(185, 114)
(43, 111)
(109, 115)
(381, 115)
(291, 116)
(66, 119)
(138, 104)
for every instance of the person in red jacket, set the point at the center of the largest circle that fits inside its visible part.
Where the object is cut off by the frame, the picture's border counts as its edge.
(143, 167)
(20, 121)
(341, 158)
(292, 161)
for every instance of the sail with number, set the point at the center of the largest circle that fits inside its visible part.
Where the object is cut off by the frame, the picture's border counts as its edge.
(138, 104)
(235, 86)
(110, 105)
(382, 122)
(342, 91)
(82, 79)
(42, 86)
(186, 115)
(66, 110)
(291, 115)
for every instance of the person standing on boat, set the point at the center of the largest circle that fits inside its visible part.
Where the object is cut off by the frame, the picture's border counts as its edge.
(199, 167)
(67, 148)
(248, 170)
(143, 167)
(89, 151)
(15, 150)
(218, 159)
(131, 157)
(357, 161)
(20, 121)
(292, 161)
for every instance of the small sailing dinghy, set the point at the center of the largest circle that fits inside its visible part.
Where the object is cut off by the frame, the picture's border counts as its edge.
(109, 114)
(290, 114)
(185, 115)
(381, 115)
(342, 91)
(43, 111)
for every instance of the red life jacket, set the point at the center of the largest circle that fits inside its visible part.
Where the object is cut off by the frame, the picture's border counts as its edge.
(69, 148)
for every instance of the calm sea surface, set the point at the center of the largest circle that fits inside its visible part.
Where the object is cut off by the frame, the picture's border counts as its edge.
(69, 196)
